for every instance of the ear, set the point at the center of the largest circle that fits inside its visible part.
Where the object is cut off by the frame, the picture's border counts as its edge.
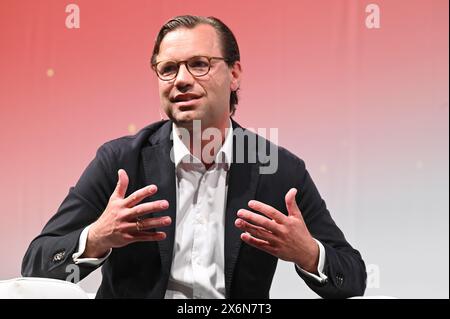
(235, 76)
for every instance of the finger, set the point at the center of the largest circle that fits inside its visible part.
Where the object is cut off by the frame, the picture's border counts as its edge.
(149, 223)
(255, 231)
(258, 220)
(145, 208)
(139, 195)
(257, 243)
(291, 203)
(122, 184)
(267, 210)
(146, 236)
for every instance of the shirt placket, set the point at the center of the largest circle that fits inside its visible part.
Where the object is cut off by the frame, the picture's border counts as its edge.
(200, 240)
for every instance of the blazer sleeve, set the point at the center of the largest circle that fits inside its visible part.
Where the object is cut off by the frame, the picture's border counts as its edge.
(344, 265)
(50, 253)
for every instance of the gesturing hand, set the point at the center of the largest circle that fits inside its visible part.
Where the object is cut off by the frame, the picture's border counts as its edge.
(285, 237)
(120, 223)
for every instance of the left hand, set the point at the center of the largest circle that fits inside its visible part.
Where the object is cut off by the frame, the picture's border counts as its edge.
(285, 237)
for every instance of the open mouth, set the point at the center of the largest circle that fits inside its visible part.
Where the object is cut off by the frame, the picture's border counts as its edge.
(185, 100)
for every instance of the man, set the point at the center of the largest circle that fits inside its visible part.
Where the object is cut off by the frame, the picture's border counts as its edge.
(167, 219)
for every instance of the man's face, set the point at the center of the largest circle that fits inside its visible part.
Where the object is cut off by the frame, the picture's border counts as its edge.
(187, 98)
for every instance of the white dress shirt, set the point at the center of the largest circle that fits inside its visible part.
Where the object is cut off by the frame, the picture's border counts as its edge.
(198, 257)
(199, 260)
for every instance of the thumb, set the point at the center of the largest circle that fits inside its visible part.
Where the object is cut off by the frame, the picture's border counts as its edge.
(122, 184)
(291, 204)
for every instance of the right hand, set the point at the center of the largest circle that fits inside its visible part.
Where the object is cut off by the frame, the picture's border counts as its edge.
(116, 227)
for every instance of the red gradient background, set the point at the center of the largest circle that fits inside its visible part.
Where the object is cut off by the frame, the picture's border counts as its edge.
(367, 109)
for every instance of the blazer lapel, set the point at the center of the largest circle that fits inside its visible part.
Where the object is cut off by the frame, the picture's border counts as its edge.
(160, 170)
(242, 182)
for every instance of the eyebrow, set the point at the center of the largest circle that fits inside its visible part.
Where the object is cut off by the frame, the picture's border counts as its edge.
(191, 56)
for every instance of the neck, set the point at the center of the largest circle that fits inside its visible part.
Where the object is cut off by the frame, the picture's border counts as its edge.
(206, 141)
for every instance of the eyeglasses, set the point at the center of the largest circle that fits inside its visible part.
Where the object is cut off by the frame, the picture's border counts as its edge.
(197, 66)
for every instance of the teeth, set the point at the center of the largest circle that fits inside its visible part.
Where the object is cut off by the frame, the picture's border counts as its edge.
(184, 100)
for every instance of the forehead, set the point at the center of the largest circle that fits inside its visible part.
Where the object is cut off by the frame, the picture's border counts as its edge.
(183, 43)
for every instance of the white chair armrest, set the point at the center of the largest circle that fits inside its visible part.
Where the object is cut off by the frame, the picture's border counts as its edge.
(40, 288)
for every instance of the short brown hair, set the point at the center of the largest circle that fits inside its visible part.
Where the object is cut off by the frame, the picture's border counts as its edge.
(230, 49)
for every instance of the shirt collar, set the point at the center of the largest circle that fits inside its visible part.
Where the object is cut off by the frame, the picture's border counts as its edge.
(182, 153)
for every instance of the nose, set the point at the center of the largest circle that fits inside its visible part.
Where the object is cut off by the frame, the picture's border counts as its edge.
(184, 80)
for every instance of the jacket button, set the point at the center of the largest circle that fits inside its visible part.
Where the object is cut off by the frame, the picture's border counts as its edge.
(339, 279)
(59, 256)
